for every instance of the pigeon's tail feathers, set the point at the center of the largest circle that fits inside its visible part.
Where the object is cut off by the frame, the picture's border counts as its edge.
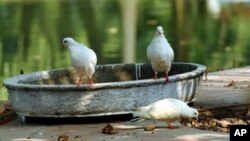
(141, 112)
(139, 116)
(137, 119)
(142, 109)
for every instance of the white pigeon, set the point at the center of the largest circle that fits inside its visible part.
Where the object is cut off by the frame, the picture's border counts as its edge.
(83, 59)
(167, 110)
(160, 54)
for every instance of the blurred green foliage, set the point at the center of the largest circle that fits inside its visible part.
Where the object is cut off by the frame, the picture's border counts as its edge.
(31, 32)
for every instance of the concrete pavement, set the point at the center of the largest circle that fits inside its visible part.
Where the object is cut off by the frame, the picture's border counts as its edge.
(128, 131)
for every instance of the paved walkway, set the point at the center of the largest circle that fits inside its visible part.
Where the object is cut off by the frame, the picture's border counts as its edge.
(215, 92)
(92, 132)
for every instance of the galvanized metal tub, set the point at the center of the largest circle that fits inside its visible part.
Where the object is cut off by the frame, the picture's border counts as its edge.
(119, 88)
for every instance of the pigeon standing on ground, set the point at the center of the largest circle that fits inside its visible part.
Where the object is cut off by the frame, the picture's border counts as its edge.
(83, 59)
(160, 54)
(167, 110)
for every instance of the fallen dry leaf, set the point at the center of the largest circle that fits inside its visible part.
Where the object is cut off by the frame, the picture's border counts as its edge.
(206, 72)
(232, 84)
(224, 123)
(219, 119)
(63, 138)
(2, 110)
(195, 123)
(248, 122)
(109, 129)
(212, 123)
(150, 127)
(248, 113)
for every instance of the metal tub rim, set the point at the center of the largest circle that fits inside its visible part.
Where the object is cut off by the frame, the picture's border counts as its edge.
(13, 82)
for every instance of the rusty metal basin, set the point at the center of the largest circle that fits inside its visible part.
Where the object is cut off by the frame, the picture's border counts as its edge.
(118, 88)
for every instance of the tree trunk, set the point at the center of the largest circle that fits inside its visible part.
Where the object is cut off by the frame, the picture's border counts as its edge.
(129, 18)
(92, 27)
(183, 27)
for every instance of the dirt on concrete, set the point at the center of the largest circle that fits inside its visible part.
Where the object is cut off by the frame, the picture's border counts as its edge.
(220, 119)
(6, 112)
(216, 119)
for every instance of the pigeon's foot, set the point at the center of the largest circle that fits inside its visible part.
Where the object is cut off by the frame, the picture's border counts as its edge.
(91, 83)
(167, 80)
(79, 83)
(155, 77)
(166, 76)
(171, 126)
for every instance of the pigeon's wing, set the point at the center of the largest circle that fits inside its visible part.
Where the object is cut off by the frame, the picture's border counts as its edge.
(91, 54)
(151, 48)
(93, 57)
(186, 111)
(171, 53)
(149, 52)
(177, 102)
(165, 110)
(77, 56)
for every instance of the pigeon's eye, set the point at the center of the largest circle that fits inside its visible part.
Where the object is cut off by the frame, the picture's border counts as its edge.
(65, 41)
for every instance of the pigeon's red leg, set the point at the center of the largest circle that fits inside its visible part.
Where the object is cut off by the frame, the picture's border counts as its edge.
(166, 76)
(79, 82)
(155, 77)
(90, 81)
(170, 126)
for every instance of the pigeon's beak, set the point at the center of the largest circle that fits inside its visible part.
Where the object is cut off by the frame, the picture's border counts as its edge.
(196, 118)
(62, 45)
(158, 33)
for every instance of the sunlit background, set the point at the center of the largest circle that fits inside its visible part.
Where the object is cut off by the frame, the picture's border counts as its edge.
(211, 32)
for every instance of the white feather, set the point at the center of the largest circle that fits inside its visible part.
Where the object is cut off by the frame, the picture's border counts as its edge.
(83, 59)
(167, 110)
(159, 52)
